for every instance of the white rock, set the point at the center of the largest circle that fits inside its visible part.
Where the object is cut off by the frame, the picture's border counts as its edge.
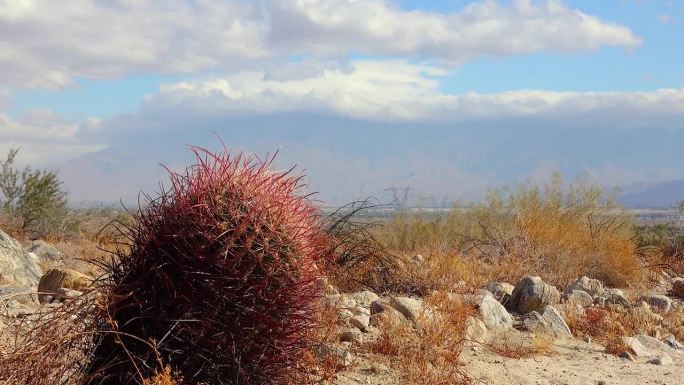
(612, 297)
(351, 335)
(16, 265)
(652, 343)
(501, 291)
(411, 308)
(364, 298)
(558, 325)
(672, 342)
(493, 313)
(579, 298)
(475, 330)
(360, 321)
(593, 287)
(636, 347)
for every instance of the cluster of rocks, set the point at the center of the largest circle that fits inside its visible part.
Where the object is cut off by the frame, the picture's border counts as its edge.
(24, 286)
(532, 305)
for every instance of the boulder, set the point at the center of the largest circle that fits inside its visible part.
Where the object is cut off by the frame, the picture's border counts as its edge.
(16, 266)
(652, 343)
(56, 279)
(678, 287)
(612, 297)
(411, 308)
(531, 294)
(579, 298)
(558, 326)
(659, 303)
(382, 311)
(363, 298)
(672, 342)
(493, 313)
(593, 287)
(475, 330)
(549, 322)
(501, 291)
(45, 251)
(351, 335)
(360, 321)
(333, 354)
(635, 347)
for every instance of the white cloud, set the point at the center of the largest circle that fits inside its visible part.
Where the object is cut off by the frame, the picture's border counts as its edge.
(45, 137)
(397, 90)
(47, 44)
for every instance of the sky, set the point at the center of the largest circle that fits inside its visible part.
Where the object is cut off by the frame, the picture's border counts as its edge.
(450, 98)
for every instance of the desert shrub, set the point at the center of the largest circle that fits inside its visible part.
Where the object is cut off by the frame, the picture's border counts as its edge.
(33, 197)
(664, 244)
(358, 259)
(555, 231)
(430, 352)
(518, 346)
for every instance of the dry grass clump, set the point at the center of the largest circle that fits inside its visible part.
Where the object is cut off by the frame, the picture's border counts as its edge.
(608, 325)
(616, 346)
(557, 232)
(518, 346)
(427, 352)
(162, 378)
(53, 346)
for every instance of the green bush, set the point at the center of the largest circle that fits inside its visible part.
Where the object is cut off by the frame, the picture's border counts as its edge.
(33, 198)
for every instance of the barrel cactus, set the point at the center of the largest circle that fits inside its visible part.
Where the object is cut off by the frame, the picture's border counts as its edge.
(219, 279)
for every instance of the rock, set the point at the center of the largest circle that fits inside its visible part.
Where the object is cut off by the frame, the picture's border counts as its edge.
(612, 297)
(678, 287)
(549, 322)
(380, 305)
(351, 335)
(493, 313)
(558, 326)
(16, 266)
(333, 354)
(651, 343)
(593, 287)
(55, 279)
(360, 321)
(672, 342)
(636, 347)
(659, 303)
(68, 293)
(382, 311)
(663, 361)
(45, 251)
(579, 298)
(340, 301)
(475, 330)
(501, 291)
(364, 298)
(411, 308)
(531, 294)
